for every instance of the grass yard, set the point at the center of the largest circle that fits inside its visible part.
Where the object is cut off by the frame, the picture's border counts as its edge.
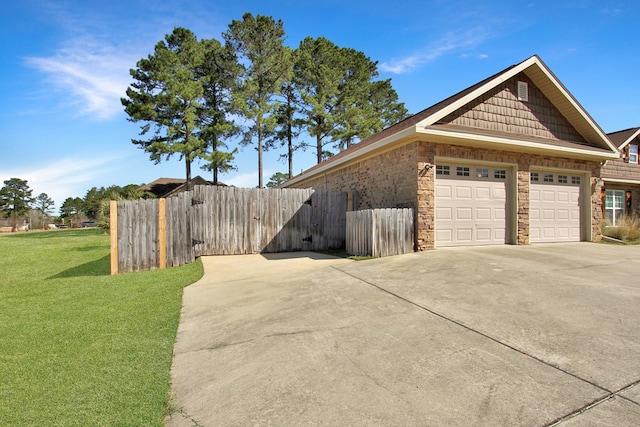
(79, 347)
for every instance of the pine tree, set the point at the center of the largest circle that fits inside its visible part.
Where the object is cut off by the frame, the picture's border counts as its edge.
(259, 43)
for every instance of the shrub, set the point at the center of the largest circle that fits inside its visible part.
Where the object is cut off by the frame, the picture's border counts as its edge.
(628, 229)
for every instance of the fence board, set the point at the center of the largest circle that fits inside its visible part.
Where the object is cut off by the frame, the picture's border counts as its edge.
(379, 232)
(213, 220)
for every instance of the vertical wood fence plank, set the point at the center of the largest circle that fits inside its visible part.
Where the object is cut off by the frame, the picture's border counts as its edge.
(113, 234)
(380, 232)
(162, 233)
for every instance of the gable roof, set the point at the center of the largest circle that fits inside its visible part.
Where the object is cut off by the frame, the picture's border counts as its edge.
(166, 187)
(622, 138)
(425, 123)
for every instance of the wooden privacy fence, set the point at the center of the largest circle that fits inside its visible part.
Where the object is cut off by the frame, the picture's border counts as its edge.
(212, 220)
(380, 232)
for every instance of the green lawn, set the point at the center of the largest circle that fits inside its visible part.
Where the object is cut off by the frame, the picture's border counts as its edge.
(78, 346)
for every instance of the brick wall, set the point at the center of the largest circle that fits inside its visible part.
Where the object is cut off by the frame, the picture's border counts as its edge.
(384, 181)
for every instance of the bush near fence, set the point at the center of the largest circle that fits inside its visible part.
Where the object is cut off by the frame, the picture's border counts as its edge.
(380, 232)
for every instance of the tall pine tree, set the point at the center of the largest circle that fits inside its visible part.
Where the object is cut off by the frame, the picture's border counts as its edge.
(259, 44)
(167, 97)
(218, 73)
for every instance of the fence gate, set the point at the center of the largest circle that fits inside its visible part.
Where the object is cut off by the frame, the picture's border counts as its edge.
(228, 220)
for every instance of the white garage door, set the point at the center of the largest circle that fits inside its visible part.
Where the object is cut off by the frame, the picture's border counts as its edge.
(554, 208)
(470, 205)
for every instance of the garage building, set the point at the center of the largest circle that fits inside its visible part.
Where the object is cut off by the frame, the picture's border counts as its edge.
(513, 159)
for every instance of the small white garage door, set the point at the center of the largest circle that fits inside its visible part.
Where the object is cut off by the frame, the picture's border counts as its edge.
(470, 205)
(554, 206)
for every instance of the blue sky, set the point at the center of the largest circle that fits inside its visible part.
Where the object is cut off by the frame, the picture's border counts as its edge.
(65, 65)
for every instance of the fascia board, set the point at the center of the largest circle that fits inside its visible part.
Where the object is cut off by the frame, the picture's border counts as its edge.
(631, 138)
(408, 132)
(576, 106)
(621, 181)
(488, 141)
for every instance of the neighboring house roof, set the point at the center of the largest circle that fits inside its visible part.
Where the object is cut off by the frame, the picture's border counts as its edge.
(166, 187)
(428, 123)
(622, 138)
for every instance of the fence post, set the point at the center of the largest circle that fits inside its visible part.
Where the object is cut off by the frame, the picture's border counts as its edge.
(162, 233)
(113, 231)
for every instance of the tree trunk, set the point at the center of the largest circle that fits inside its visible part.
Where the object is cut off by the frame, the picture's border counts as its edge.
(260, 156)
(214, 148)
(188, 168)
(290, 153)
(319, 147)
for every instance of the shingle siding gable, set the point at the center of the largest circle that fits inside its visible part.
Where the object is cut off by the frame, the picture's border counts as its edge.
(500, 110)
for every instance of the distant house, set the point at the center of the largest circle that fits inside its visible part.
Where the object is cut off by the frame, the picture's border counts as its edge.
(622, 177)
(167, 187)
(512, 159)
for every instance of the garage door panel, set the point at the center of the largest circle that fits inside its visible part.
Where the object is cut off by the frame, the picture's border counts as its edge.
(483, 213)
(549, 196)
(484, 234)
(443, 191)
(478, 206)
(463, 214)
(463, 192)
(554, 214)
(563, 196)
(483, 193)
(444, 213)
(534, 234)
(444, 235)
(534, 214)
(464, 235)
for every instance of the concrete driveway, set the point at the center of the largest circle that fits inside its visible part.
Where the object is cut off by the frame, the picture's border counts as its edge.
(506, 335)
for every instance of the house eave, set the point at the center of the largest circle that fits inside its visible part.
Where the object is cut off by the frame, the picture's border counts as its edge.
(511, 144)
(621, 181)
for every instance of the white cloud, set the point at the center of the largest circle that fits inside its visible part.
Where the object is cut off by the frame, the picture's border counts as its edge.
(90, 76)
(62, 178)
(249, 179)
(451, 42)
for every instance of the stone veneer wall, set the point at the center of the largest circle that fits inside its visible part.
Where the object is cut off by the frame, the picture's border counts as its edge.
(405, 177)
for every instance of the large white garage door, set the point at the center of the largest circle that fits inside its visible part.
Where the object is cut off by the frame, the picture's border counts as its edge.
(554, 207)
(470, 205)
